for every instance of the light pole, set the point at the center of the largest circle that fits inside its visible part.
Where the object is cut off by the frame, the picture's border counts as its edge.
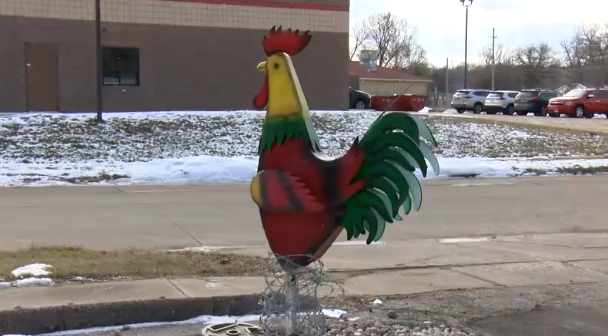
(98, 63)
(466, 4)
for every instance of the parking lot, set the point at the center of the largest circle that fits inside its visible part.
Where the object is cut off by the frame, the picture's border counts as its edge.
(599, 124)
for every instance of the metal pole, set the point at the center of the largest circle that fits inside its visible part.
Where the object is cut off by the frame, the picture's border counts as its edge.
(291, 292)
(99, 62)
(466, 45)
(493, 58)
(447, 76)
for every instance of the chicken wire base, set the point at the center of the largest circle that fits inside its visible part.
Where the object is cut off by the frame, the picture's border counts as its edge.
(290, 301)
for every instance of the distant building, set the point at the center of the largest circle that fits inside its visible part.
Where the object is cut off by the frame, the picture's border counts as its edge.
(382, 81)
(163, 55)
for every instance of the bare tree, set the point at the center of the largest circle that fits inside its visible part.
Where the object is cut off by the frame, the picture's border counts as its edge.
(538, 64)
(411, 56)
(586, 54)
(535, 56)
(395, 41)
(359, 35)
(501, 55)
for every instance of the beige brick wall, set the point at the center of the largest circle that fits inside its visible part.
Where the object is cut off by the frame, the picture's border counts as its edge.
(181, 14)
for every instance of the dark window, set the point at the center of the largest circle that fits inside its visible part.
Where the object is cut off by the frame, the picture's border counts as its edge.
(548, 95)
(481, 93)
(602, 94)
(495, 95)
(120, 66)
(513, 94)
(527, 94)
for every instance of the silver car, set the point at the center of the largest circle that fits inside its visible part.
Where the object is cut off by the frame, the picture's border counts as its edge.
(500, 101)
(469, 100)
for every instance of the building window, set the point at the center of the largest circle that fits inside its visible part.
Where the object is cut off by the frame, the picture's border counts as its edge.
(120, 66)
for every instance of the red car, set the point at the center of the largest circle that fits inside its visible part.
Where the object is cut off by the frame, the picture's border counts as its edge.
(580, 103)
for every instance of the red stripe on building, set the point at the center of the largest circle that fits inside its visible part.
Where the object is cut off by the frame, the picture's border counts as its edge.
(273, 4)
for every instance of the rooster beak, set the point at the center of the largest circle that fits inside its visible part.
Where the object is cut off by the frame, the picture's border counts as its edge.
(262, 67)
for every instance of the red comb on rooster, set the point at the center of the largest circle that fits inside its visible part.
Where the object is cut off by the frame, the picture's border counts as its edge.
(289, 42)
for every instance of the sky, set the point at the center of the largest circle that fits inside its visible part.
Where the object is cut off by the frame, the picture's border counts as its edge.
(441, 23)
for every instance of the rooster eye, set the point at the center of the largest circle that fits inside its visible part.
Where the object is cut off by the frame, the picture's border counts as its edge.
(276, 65)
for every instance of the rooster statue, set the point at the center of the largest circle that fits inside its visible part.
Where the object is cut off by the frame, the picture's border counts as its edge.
(306, 198)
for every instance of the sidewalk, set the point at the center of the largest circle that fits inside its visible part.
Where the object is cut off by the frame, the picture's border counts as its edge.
(401, 268)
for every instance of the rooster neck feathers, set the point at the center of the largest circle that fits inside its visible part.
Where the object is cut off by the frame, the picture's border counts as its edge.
(275, 131)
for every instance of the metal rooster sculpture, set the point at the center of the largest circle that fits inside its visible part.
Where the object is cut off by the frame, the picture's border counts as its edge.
(306, 198)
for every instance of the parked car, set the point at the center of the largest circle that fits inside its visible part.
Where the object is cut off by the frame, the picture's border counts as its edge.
(500, 101)
(359, 100)
(469, 99)
(580, 103)
(534, 100)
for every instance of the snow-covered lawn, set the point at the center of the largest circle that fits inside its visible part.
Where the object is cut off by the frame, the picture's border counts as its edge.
(220, 147)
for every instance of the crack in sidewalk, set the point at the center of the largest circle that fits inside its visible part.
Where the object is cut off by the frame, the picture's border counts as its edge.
(177, 287)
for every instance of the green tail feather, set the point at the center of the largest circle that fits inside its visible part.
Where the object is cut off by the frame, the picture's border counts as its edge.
(393, 151)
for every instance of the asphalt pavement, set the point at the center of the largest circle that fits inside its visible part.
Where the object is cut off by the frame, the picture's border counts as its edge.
(164, 217)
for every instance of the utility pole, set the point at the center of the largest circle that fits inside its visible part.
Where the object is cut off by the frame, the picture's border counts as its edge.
(447, 76)
(98, 63)
(466, 43)
(493, 58)
(466, 4)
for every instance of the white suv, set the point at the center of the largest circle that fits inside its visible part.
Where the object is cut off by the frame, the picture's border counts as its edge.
(500, 101)
(469, 99)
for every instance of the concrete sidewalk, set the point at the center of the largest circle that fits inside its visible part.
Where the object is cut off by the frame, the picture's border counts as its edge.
(408, 267)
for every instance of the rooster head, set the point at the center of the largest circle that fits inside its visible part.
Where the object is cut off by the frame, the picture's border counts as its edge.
(281, 92)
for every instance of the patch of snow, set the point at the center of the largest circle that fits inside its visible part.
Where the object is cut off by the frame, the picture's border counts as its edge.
(238, 170)
(333, 313)
(425, 110)
(205, 319)
(377, 302)
(28, 282)
(32, 275)
(32, 270)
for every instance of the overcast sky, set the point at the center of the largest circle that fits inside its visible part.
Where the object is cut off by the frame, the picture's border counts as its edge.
(441, 23)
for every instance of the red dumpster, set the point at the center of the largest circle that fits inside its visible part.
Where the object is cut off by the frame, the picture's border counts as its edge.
(405, 103)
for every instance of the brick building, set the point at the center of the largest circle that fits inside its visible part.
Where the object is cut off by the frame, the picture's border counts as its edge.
(162, 55)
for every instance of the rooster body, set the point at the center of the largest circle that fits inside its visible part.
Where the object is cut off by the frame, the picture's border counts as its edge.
(305, 198)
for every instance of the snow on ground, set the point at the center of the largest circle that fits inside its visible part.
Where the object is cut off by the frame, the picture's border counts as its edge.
(33, 275)
(239, 170)
(32, 270)
(220, 147)
(205, 319)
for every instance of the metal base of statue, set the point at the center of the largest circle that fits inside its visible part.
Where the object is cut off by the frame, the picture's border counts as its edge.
(290, 301)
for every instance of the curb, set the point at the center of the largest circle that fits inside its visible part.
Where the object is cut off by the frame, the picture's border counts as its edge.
(70, 317)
